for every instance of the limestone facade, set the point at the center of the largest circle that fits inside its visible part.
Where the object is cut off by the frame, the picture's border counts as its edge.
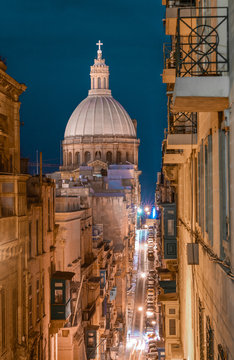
(200, 172)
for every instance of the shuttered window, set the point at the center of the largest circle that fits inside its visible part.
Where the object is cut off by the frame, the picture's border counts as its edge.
(210, 189)
(172, 327)
(201, 206)
(224, 187)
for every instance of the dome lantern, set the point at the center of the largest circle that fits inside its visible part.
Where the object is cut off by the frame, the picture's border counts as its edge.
(99, 75)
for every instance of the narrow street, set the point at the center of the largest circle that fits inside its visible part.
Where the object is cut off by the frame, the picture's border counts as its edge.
(136, 340)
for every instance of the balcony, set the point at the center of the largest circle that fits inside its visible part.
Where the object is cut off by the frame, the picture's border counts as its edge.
(202, 65)
(182, 129)
(172, 10)
(173, 157)
(60, 299)
(88, 313)
(169, 70)
(178, 3)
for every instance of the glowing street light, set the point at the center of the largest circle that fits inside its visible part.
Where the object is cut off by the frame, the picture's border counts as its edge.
(149, 313)
(139, 210)
(146, 209)
(143, 275)
(140, 308)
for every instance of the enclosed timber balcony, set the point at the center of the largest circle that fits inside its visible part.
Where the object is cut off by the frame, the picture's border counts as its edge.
(202, 63)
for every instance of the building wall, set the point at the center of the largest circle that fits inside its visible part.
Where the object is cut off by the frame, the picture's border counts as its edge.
(205, 217)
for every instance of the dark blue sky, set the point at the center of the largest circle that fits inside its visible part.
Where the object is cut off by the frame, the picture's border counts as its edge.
(50, 45)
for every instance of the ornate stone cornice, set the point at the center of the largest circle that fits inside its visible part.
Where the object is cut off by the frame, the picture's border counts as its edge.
(10, 86)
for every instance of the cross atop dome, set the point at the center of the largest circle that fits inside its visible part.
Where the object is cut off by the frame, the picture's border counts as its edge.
(99, 44)
(99, 52)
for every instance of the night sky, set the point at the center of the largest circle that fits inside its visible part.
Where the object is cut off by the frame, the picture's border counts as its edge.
(50, 44)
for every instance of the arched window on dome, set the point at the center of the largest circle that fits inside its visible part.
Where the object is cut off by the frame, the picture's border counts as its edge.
(87, 157)
(127, 156)
(69, 158)
(104, 83)
(98, 155)
(118, 157)
(109, 157)
(77, 158)
(99, 83)
(64, 158)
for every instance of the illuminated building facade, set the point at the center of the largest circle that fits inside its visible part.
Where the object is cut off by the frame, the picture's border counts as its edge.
(97, 194)
(197, 168)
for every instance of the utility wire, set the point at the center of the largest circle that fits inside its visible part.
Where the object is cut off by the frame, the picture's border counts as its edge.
(211, 254)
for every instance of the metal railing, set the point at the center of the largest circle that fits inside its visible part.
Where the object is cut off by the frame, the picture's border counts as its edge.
(202, 42)
(181, 122)
(180, 3)
(169, 56)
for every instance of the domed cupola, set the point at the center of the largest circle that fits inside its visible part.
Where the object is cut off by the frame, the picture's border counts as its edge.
(99, 127)
(99, 114)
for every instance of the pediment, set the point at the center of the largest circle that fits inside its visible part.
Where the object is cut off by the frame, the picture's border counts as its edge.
(98, 164)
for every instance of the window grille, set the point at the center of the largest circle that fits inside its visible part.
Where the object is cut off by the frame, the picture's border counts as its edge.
(209, 340)
(201, 331)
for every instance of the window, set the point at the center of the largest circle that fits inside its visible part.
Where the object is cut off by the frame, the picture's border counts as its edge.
(3, 319)
(38, 300)
(64, 158)
(69, 158)
(48, 220)
(43, 293)
(37, 237)
(14, 312)
(30, 307)
(77, 158)
(30, 240)
(98, 155)
(7, 206)
(109, 157)
(201, 331)
(99, 83)
(209, 340)
(118, 157)
(170, 227)
(172, 327)
(172, 311)
(210, 190)
(87, 157)
(206, 188)
(224, 187)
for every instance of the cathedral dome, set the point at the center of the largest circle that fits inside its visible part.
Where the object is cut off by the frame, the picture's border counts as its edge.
(100, 115)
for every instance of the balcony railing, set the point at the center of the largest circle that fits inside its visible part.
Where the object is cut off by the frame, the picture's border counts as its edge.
(181, 122)
(180, 3)
(169, 56)
(204, 49)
